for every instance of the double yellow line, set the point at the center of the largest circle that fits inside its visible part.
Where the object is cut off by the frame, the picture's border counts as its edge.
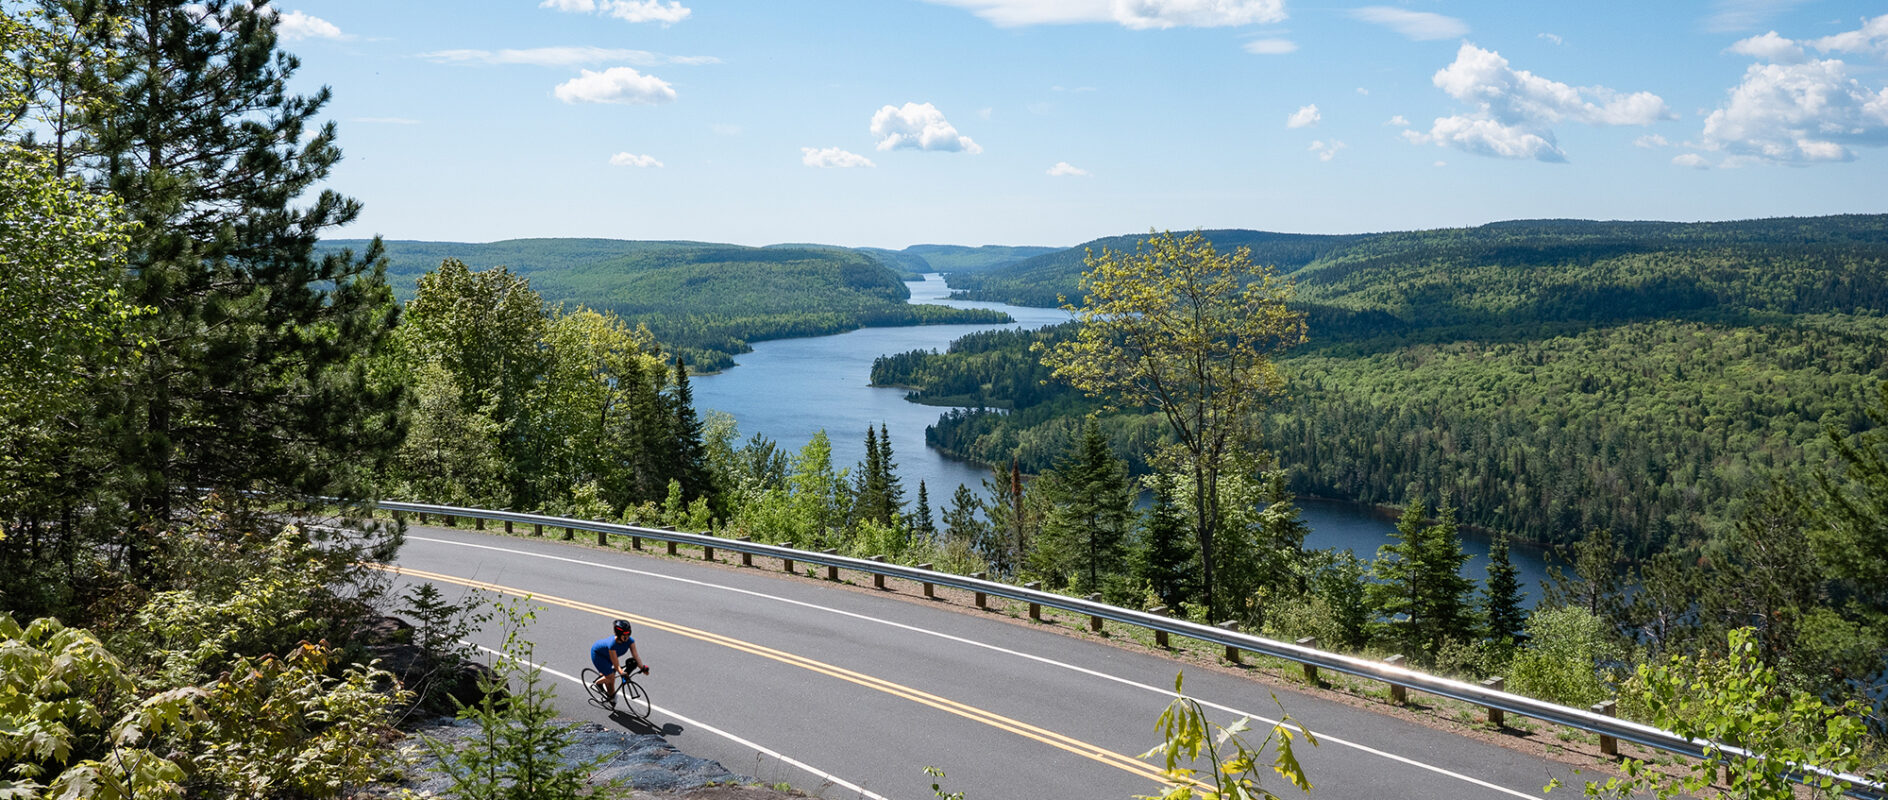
(989, 718)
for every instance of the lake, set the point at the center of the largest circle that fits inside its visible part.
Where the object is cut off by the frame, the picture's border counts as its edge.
(788, 389)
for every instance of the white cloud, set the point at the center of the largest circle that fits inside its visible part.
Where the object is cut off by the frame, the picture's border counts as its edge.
(1769, 47)
(633, 160)
(1870, 39)
(1327, 150)
(1420, 26)
(1743, 15)
(1650, 140)
(1308, 115)
(918, 126)
(294, 25)
(832, 158)
(1487, 137)
(1271, 47)
(1064, 169)
(1365, 92)
(563, 57)
(1799, 113)
(1517, 108)
(1399, 121)
(1551, 37)
(1692, 160)
(615, 85)
(667, 12)
(1134, 14)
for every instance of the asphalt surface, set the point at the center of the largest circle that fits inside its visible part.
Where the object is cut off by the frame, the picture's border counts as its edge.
(848, 694)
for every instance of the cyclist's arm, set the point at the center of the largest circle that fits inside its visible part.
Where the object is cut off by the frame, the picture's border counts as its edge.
(638, 658)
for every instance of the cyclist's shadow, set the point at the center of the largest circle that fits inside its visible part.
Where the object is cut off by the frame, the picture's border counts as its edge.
(634, 724)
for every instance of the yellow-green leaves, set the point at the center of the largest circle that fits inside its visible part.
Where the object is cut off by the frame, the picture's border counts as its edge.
(1232, 766)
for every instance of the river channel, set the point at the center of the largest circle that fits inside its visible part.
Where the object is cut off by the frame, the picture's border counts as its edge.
(788, 389)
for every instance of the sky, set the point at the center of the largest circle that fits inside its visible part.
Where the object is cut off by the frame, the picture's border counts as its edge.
(888, 123)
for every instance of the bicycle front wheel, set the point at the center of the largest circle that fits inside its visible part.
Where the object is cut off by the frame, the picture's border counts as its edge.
(635, 698)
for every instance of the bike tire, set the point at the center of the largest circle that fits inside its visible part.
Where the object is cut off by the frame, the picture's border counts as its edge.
(635, 699)
(590, 687)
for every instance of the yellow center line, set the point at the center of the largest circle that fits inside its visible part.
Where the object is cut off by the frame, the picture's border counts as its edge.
(990, 718)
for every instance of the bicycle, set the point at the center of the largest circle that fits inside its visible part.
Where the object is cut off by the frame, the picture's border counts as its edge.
(630, 695)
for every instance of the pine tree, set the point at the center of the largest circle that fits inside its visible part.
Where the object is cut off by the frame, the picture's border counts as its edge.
(922, 523)
(1166, 561)
(257, 376)
(1504, 616)
(691, 466)
(963, 521)
(1443, 611)
(894, 490)
(868, 483)
(1086, 527)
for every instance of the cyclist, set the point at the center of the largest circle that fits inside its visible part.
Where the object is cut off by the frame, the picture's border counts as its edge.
(607, 656)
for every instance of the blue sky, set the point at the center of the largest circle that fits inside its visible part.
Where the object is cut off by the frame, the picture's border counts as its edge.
(1051, 122)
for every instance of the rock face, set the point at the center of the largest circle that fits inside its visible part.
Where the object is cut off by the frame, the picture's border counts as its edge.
(644, 762)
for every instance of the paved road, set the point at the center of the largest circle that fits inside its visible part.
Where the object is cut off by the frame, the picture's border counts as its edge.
(850, 694)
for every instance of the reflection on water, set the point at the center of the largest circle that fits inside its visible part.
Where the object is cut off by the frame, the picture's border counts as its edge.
(788, 389)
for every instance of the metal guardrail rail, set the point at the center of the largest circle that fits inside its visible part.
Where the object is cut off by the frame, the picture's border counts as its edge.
(1396, 676)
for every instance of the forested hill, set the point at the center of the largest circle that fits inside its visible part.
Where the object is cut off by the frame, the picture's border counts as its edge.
(1539, 270)
(706, 300)
(1551, 376)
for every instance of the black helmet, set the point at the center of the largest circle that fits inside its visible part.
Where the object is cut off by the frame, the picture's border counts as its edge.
(621, 626)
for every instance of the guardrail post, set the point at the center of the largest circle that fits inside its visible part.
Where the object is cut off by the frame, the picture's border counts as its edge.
(707, 552)
(1035, 608)
(1232, 653)
(786, 562)
(832, 570)
(671, 544)
(451, 521)
(747, 559)
(928, 591)
(570, 533)
(635, 542)
(1399, 694)
(1495, 715)
(1094, 622)
(422, 518)
(878, 578)
(603, 539)
(1311, 670)
(478, 523)
(1609, 746)
(1160, 636)
(980, 598)
(537, 529)
(508, 526)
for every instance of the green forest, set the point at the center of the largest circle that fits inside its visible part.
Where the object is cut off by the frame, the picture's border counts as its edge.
(705, 301)
(201, 400)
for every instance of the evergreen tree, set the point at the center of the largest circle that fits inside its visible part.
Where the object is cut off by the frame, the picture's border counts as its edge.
(894, 490)
(1166, 561)
(1502, 612)
(922, 523)
(1418, 577)
(1011, 522)
(691, 466)
(1089, 507)
(869, 485)
(256, 377)
(1599, 580)
(964, 522)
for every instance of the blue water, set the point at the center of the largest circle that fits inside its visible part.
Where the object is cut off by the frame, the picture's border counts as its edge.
(788, 389)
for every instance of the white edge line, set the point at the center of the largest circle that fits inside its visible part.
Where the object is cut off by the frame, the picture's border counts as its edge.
(822, 775)
(1040, 659)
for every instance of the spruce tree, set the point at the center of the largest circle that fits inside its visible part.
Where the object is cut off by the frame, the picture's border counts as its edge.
(691, 466)
(894, 491)
(922, 523)
(1502, 611)
(963, 521)
(257, 376)
(1086, 527)
(868, 483)
(1167, 562)
(1444, 597)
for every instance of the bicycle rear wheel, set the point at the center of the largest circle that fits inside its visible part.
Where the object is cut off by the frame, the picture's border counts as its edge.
(635, 698)
(590, 687)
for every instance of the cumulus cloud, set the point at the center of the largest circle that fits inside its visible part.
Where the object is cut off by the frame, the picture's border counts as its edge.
(1800, 110)
(918, 126)
(832, 158)
(1650, 140)
(562, 57)
(615, 85)
(1133, 14)
(1420, 26)
(1064, 169)
(633, 160)
(1327, 150)
(1692, 160)
(1305, 116)
(1399, 121)
(1551, 37)
(667, 12)
(1271, 47)
(1516, 108)
(294, 25)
